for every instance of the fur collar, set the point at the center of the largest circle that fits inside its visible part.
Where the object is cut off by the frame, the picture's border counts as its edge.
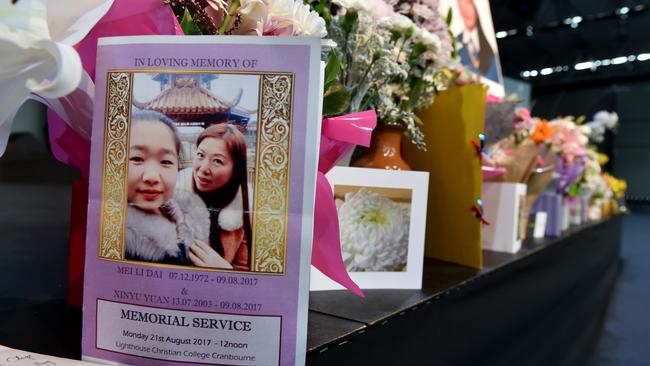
(231, 217)
(151, 237)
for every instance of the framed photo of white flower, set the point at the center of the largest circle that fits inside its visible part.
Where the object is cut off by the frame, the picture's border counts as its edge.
(382, 217)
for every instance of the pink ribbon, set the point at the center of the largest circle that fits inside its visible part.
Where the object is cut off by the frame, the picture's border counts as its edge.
(339, 135)
(125, 18)
(491, 173)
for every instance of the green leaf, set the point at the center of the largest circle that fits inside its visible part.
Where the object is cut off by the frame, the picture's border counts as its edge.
(394, 36)
(324, 11)
(574, 189)
(418, 50)
(336, 100)
(450, 16)
(417, 120)
(188, 26)
(349, 22)
(414, 94)
(332, 69)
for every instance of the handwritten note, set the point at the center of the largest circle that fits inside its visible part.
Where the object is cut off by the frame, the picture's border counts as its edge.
(14, 357)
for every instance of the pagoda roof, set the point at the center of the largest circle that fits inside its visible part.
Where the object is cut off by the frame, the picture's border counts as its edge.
(185, 97)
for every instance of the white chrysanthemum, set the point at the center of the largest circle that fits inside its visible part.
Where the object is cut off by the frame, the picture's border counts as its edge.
(307, 22)
(358, 5)
(398, 22)
(374, 232)
(427, 38)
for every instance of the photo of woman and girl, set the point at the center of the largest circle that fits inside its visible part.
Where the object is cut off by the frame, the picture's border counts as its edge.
(197, 216)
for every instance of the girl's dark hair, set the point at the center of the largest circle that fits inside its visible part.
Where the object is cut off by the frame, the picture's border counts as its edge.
(236, 146)
(148, 115)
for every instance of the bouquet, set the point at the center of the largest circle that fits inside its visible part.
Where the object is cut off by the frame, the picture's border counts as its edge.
(385, 59)
(248, 17)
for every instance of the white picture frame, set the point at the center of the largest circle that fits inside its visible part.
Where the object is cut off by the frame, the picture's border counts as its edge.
(387, 183)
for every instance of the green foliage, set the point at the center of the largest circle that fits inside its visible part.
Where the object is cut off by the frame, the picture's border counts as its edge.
(322, 8)
(574, 189)
(415, 93)
(417, 51)
(336, 100)
(349, 22)
(336, 97)
(187, 24)
(332, 69)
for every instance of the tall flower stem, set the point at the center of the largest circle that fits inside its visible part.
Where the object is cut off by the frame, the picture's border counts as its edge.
(365, 74)
(227, 21)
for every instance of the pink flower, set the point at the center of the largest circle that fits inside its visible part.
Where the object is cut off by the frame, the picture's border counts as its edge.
(522, 114)
(273, 27)
(493, 99)
(381, 9)
(569, 140)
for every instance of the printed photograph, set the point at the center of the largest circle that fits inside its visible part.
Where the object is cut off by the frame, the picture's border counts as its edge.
(191, 169)
(472, 26)
(374, 224)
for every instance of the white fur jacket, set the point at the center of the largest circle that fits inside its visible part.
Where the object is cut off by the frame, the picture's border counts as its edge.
(165, 239)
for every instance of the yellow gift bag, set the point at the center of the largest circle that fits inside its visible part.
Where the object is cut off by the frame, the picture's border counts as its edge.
(453, 233)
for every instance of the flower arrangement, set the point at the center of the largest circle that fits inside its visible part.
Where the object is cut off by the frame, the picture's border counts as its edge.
(618, 186)
(374, 232)
(248, 17)
(578, 165)
(569, 139)
(383, 55)
(592, 180)
(543, 132)
(385, 58)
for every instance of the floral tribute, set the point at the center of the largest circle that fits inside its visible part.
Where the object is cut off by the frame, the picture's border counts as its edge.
(389, 56)
(248, 17)
(567, 144)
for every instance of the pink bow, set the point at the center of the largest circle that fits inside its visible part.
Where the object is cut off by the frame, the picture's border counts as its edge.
(339, 136)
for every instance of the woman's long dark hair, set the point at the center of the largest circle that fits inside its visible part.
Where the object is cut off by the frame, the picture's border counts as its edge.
(236, 146)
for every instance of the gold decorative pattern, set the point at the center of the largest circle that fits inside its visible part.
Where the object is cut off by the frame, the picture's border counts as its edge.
(113, 211)
(270, 211)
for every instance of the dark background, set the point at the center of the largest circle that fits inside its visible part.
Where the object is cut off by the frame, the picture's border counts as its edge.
(543, 39)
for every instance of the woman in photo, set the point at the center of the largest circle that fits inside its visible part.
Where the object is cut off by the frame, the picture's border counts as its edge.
(163, 225)
(218, 176)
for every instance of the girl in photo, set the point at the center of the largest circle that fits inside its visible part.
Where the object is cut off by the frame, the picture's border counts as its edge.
(218, 175)
(163, 225)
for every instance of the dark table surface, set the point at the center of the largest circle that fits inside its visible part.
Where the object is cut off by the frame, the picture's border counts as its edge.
(34, 222)
(336, 314)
